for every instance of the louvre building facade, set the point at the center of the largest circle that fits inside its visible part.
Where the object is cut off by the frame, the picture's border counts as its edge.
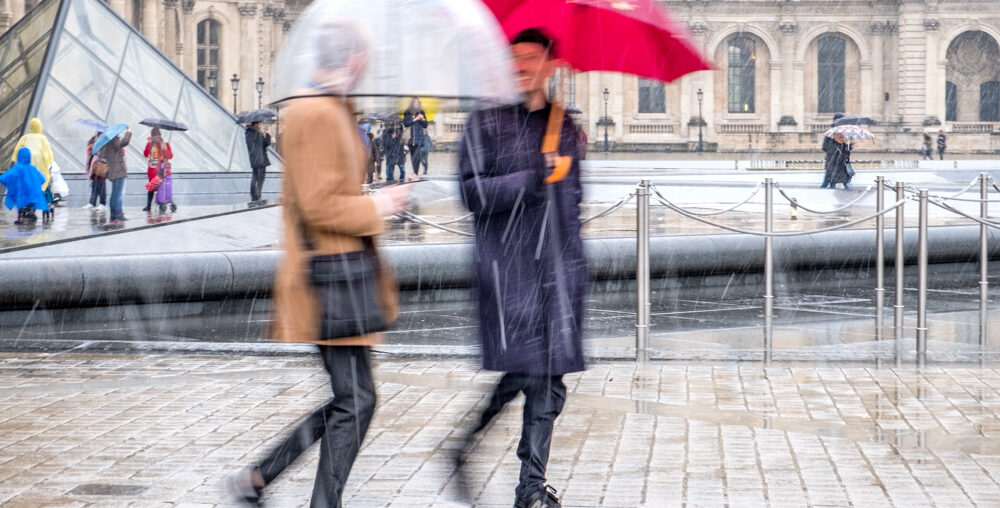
(782, 69)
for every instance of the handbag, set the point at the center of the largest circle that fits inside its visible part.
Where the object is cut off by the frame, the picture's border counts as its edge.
(347, 288)
(154, 184)
(849, 169)
(99, 168)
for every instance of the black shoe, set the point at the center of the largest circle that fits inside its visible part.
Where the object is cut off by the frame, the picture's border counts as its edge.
(146, 209)
(545, 498)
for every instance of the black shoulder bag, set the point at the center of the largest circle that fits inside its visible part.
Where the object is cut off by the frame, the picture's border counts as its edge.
(347, 288)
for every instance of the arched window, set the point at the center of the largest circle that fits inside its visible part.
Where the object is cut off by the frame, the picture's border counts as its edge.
(950, 102)
(831, 55)
(742, 75)
(989, 101)
(208, 55)
(652, 96)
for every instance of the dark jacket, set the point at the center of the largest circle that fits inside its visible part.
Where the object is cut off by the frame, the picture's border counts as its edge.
(531, 284)
(257, 144)
(393, 147)
(418, 128)
(942, 143)
(837, 157)
(114, 153)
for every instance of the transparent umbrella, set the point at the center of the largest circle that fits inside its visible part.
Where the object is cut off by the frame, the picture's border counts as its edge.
(449, 49)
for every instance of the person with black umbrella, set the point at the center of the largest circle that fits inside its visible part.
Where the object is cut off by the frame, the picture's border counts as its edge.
(257, 143)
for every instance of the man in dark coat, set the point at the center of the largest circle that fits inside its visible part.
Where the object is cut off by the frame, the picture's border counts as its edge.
(395, 155)
(257, 143)
(530, 269)
(942, 144)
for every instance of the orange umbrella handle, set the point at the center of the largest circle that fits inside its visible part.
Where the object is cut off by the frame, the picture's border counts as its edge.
(561, 169)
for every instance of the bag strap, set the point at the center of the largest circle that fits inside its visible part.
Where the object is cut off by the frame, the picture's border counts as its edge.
(550, 144)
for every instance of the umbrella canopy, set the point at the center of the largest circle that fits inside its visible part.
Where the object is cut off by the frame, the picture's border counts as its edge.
(442, 48)
(630, 36)
(257, 115)
(853, 120)
(167, 125)
(108, 134)
(89, 123)
(850, 132)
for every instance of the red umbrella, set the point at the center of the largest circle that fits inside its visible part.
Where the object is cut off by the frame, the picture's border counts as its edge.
(630, 36)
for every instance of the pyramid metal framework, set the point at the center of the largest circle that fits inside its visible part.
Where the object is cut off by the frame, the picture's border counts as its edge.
(77, 59)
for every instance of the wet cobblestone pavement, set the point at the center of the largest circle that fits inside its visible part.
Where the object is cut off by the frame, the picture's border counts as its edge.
(163, 430)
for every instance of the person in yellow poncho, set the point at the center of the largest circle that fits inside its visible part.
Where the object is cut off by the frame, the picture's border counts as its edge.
(41, 152)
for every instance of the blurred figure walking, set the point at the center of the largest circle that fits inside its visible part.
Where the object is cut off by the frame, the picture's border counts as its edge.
(24, 189)
(257, 143)
(415, 119)
(530, 269)
(41, 157)
(328, 222)
(942, 144)
(94, 169)
(158, 154)
(927, 150)
(395, 152)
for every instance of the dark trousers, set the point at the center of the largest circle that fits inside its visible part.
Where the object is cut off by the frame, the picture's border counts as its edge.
(98, 190)
(257, 183)
(544, 397)
(941, 153)
(390, 170)
(340, 425)
(416, 159)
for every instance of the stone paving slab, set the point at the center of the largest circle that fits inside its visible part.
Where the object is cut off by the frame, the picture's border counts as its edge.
(163, 430)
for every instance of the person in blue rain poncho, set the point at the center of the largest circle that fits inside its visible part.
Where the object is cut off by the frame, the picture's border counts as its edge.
(24, 188)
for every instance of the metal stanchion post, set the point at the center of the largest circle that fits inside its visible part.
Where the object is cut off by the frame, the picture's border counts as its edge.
(897, 321)
(922, 282)
(768, 269)
(642, 273)
(879, 255)
(984, 259)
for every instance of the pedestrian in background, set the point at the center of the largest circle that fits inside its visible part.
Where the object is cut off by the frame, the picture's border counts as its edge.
(530, 270)
(395, 152)
(415, 119)
(827, 147)
(41, 156)
(114, 153)
(257, 143)
(838, 159)
(98, 189)
(158, 154)
(942, 144)
(425, 152)
(927, 150)
(326, 218)
(24, 188)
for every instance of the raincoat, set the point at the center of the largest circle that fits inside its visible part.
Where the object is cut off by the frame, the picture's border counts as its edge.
(837, 157)
(324, 165)
(41, 152)
(24, 184)
(518, 276)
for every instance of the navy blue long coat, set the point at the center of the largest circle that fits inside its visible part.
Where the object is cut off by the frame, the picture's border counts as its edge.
(531, 275)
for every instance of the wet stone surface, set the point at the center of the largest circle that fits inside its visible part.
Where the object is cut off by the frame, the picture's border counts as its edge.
(668, 434)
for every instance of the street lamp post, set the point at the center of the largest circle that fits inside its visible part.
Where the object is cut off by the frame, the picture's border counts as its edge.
(701, 146)
(607, 95)
(260, 91)
(213, 82)
(236, 86)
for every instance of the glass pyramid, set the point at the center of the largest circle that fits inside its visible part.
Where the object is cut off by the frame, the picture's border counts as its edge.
(77, 59)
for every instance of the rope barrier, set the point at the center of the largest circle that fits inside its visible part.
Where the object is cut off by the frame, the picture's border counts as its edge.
(827, 212)
(980, 220)
(684, 212)
(717, 212)
(613, 208)
(416, 218)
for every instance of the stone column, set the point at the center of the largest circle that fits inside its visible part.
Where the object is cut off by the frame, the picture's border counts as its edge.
(248, 49)
(269, 26)
(151, 17)
(867, 84)
(799, 85)
(121, 7)
(911, 95)
(169, 34)
(877, 30)
(186, 38)
(693, 82)
(786, 113)
(934, 84)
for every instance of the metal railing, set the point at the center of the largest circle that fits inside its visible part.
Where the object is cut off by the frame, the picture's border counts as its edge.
(645, 194)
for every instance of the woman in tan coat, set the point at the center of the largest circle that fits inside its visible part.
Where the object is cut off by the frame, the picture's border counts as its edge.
(321, 196)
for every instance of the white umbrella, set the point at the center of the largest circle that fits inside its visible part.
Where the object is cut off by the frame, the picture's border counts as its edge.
(450, 49)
